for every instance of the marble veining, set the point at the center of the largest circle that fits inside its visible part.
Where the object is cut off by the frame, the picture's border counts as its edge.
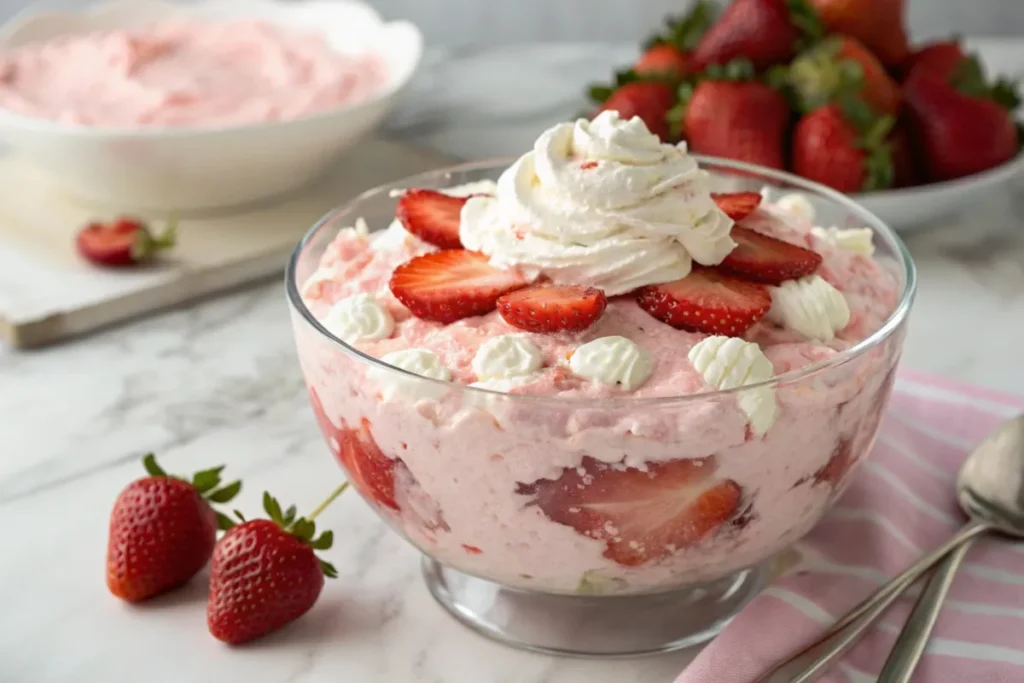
(218, 383)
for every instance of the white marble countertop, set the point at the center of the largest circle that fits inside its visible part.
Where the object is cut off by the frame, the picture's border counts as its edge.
(219, 383)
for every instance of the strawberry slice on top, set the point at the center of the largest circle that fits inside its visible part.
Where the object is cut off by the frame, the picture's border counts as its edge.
(737, 205)
(707, 301)
(765, 259)
(551, 308)
(449, 285)
(432, 216)
(641, 515)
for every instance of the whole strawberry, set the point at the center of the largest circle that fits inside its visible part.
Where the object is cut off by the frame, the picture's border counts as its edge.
(663, 60)
(162, 531)
(844, 147)
(650, 100)
(737, 119)
(124, 241)
(941, 58)
(962, 125)
(879, 24)
(904, 165)
(766, 32)
(839, 66)
(265, 573)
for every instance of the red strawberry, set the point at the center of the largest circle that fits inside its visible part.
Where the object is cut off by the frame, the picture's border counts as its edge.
(766, 32)
(446, 286)
(941, 58)
(650, 100)
(962, 127)
(841, 65)
(842, 149)
(839, 463)
(162, 531)
(122, 242)
(372, 472)
(369, 470)
(904, 165)
(641, 515)
(737, 120)
(737, 205)
(547, 308)
(664, 60)
(879, 24)
(432, 216)
(765, 259)
(265, 574)
(707, 301)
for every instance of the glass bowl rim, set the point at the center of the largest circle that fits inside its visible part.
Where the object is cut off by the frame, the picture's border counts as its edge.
(884, 331)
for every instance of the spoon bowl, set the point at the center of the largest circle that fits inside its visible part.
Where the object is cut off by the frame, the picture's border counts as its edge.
(990, 486)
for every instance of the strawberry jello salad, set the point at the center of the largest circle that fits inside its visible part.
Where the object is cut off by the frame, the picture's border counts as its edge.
(595, 373)
(184, 73)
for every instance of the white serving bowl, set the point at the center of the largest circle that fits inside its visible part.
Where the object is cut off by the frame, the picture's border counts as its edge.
(194, 169)
(916, 207)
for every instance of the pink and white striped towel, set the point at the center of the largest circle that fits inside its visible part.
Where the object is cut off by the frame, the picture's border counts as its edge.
(899, 505)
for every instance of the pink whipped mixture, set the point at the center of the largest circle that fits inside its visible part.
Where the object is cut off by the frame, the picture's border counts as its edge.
(184, 73)
(351, 266)
(466, 466)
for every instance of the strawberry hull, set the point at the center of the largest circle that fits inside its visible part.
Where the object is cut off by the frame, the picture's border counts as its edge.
(563, 480)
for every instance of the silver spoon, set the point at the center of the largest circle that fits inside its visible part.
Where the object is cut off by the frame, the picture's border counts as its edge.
(990, 489)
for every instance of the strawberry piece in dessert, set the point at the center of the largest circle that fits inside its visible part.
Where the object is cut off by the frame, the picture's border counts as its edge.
(737, 205)
(449, 285)
(567, 308)
(766, 259)
(707, 301)
(372, 472)
(838, 464)
(432, 216)
(641, 515)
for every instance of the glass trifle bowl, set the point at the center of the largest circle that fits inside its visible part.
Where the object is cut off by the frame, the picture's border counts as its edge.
(611, 525)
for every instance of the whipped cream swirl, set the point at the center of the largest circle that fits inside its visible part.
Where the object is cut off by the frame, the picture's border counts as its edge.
(602, 203)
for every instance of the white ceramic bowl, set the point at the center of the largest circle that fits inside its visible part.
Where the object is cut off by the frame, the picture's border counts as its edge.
(195, 169)
(916, 207)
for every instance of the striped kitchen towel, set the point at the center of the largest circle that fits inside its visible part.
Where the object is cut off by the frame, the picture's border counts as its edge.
(899, 505)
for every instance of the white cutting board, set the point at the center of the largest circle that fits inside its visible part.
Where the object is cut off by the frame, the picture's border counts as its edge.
(48, 293)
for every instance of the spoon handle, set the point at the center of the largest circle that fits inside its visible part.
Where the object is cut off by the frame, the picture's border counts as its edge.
(910, 644)
(813, 661)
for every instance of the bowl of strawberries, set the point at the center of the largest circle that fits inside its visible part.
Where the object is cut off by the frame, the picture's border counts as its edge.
(830, 90)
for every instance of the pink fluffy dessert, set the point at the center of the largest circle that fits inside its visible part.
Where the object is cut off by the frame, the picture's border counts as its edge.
(557, 478)
(184, 73)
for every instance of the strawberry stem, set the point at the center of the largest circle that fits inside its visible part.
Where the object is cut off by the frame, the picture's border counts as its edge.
(330, 499)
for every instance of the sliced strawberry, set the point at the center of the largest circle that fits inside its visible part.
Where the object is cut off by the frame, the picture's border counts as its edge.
(765, 259)
(737, 205)
(432, 216)
(369, 470)
(123, 242)
(641, 515)
(446, 286)
(549, 309)
(707, 301)
(839, 463)
(372, 472)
